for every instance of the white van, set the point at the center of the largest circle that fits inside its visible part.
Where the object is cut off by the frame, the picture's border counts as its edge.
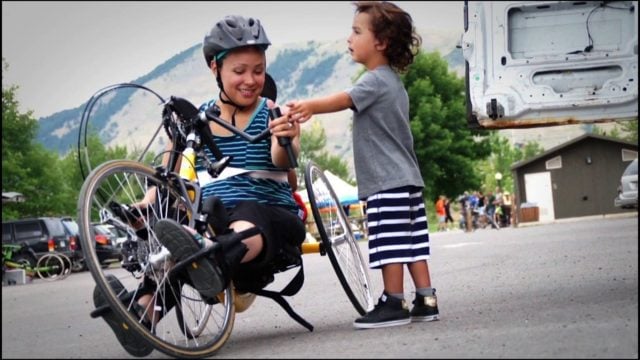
(542, 63)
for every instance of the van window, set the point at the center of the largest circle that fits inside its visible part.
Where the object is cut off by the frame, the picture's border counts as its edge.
(6, 233)
(28, 229)
(632, 169)
(55, 227)
(71, 226)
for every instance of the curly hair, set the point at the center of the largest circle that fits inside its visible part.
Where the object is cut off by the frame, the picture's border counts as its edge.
(392, 25)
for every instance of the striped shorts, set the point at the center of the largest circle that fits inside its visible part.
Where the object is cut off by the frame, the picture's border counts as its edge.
(398, 229)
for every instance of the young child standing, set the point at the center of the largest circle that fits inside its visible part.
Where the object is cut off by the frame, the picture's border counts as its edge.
(384, 40)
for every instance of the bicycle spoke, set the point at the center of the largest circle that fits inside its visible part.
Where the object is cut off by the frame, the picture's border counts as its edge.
(180, 326)
(335, 231)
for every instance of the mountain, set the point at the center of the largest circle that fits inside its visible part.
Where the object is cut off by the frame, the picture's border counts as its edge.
(301, 70)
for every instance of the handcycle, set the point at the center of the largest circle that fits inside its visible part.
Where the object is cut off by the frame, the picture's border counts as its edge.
(198, 327)
(50, 266)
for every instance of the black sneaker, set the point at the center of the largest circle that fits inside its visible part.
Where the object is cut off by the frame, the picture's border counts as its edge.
(207, 278)
(425, 308)
(388, 312)
(130, 340)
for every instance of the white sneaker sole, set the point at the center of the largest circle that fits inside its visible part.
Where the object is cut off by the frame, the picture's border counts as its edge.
(425, 318)
(400, 322)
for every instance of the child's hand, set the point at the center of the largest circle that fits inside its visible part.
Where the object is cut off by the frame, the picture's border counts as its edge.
(284, 109)
(299, 111)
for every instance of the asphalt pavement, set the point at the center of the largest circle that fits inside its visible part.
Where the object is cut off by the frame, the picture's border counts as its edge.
(562, 290)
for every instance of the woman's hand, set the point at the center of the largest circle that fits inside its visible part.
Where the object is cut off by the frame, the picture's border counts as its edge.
(284, 127)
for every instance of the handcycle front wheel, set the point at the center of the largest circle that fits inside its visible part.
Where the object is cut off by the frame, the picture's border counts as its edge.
(53, 266)
(337, 237)
(183, 329)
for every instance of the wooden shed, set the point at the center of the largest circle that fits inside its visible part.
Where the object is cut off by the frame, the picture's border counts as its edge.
(574, 179)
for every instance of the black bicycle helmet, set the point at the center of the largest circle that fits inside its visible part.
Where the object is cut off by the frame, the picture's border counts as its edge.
(232, 32)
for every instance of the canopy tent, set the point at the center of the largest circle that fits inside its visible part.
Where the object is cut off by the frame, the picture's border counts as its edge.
(347, 194)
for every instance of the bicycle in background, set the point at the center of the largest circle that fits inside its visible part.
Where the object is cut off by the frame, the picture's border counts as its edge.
(50, 266)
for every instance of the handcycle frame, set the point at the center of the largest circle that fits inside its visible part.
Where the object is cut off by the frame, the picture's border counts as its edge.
(50, 266)
(190, 132)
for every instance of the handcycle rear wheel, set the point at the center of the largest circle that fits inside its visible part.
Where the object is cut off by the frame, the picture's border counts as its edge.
(338, 240)
(126, 182)
(194, 313)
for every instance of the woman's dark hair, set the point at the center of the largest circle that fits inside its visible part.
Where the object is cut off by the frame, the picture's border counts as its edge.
(392, 25)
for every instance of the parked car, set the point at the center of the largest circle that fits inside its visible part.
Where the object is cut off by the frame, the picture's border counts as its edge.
(121, 235)
(105, 245)
(71, 229)
(628, 189)
(40, 235)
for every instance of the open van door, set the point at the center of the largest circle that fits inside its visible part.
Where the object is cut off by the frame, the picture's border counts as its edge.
(543, 63)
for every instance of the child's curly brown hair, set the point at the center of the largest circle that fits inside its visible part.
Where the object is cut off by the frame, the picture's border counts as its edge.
(392, 25)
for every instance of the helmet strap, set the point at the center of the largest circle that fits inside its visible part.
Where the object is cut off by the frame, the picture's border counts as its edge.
(229, 101)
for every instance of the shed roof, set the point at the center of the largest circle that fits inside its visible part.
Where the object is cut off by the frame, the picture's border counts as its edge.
(568, 143)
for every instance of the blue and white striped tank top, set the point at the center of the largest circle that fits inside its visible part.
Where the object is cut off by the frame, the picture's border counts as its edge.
(248, 156)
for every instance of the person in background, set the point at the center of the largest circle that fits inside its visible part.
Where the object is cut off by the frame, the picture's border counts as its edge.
(497, 202)
(507, 202)
(383, 39)
(441, 213)
(490, 208)
(465, 210)
(449, 224)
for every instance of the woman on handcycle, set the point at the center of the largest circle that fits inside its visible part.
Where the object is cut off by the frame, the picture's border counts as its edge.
(258, 197)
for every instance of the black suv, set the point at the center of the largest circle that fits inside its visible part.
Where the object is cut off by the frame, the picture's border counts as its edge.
(40, 235)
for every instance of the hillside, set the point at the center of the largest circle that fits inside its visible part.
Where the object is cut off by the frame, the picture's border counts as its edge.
(128, 117)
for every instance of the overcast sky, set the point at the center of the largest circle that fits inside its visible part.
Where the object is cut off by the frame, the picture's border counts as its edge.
(60, 53)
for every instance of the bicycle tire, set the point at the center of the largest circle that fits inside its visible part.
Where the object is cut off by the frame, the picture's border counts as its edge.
(193, 313)
(20, 264)
(86, 161)
(125, 181)
(25, 261)
(68, 264)
(53, 266)
(338, 240)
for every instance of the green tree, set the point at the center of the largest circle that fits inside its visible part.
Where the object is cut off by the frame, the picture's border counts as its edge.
(624, 130)
(614, 133)
(503, 156)
(447, 149)
(312, 148)
(630, 129)
(529, 150)
(97, 154)
(27, 167)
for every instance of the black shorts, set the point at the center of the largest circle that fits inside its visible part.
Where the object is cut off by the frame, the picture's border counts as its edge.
(279, 227)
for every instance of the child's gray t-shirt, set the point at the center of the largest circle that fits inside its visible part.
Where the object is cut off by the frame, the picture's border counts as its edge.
(382, 142)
